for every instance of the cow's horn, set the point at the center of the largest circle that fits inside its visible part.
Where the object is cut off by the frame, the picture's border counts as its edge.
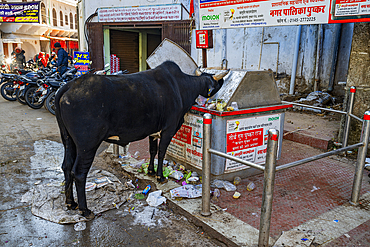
(221, 75)
(198, 72)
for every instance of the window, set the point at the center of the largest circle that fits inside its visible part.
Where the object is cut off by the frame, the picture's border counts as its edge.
(76, 21)
(54, 18)
(61, 18)
(71, 21)
(43, 13)
(66, 19)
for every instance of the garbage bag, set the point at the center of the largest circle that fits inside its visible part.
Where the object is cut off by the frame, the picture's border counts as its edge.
(155, 199)
(221, 184)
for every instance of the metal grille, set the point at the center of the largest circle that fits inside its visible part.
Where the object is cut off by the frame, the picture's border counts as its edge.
(126, 46)
(179, 32)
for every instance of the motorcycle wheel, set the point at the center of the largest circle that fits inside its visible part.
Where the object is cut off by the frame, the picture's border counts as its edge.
(50, 103)
(32, 98)
(20, 97)
(7, 91)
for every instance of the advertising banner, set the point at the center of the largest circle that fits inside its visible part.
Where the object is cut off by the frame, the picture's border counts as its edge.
(20, 12)
(247, 139)
(168, 12)
(215, 14)
(82, 60)
(186, 145)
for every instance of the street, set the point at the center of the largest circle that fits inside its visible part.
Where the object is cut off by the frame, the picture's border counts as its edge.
(133, 224)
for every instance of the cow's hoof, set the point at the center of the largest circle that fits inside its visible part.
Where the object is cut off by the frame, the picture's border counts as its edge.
(151, 173)
(88, 214)
(161, 180)
(72, 206)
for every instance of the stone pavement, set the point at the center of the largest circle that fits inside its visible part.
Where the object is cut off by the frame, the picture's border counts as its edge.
(310, 198)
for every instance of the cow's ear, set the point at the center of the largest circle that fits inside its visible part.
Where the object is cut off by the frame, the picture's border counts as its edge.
(210, 89)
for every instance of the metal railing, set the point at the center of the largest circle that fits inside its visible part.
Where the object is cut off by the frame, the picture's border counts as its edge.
(348, 113)
(270, 168)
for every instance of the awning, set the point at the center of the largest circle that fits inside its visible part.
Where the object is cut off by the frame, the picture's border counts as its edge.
(62, 38)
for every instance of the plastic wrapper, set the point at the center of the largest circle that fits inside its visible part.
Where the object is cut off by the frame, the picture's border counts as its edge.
(251, 186)
(155, 199)
(138, 164)
(201, 101)
(188, 191)
(177, 175)
(221, 184)
(80, 226)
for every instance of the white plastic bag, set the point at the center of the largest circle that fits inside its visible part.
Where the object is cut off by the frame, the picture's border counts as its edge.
(177, 175)
(221, 184)
(138, 164)
(155, 199)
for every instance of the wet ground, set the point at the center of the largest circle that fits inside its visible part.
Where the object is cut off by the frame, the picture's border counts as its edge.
(133, 224)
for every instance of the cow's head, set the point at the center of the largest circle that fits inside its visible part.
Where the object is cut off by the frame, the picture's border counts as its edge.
(214, 83)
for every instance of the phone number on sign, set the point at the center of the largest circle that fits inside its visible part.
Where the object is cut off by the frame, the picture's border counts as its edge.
(302, 19)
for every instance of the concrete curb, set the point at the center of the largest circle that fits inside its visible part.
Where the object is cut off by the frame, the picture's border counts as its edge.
(220, 225)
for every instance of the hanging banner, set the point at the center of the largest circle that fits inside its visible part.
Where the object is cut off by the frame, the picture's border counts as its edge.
(82, 62)
(167, 12)
(20, 12)
(215, 14)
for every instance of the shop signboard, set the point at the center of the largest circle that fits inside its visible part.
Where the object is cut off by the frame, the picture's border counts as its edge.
(82, 61)
(214, 14)
(20, 12)
(166, 12)
(246, 138)
(186, 145)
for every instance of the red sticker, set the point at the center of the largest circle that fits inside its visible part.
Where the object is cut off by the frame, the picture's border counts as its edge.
(207, 121)
(366, 117)
(353, 90)
(273, 137)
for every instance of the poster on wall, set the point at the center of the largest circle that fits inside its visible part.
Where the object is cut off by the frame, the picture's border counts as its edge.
(215, 14)
(82, 61)
(246, 138)
(20, 12)
(165, 12)
(186, 145)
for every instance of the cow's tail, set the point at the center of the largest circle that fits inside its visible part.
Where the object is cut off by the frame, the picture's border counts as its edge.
(63, 130)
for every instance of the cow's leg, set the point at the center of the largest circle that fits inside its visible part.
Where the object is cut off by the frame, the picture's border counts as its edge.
(81, 167)
(69, 160)
(153, 148)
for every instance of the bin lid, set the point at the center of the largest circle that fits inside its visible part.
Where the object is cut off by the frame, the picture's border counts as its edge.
(248, 88)
(169, 50)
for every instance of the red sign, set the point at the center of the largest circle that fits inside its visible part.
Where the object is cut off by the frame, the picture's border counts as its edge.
(204, 39)
(244, 140)
(184, 134)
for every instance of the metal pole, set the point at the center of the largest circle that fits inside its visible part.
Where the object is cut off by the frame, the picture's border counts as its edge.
(295, 60)
(268, 188)
(351, 99)
(206, 165)
(115, 150)
(361, 156)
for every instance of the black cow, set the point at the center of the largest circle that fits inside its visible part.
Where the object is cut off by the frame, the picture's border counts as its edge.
(122, 109)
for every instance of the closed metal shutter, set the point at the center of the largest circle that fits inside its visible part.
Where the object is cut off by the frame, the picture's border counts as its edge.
(125, 45)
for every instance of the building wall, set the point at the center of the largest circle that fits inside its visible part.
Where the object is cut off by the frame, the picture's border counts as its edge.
(245, 48)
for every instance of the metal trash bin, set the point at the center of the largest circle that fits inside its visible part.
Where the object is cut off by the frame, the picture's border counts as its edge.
(242, 133)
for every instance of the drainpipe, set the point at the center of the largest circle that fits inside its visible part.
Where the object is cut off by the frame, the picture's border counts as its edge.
(81, 26)
(335, 56)
(318, 59)
(224, 38)
(295, 59)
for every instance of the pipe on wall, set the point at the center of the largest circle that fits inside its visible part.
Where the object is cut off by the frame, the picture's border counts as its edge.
(295, 59)
(318, 60)
(224, 51)
(335, 56)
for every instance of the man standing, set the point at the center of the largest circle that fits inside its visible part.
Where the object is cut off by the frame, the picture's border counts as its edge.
(62, 63)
